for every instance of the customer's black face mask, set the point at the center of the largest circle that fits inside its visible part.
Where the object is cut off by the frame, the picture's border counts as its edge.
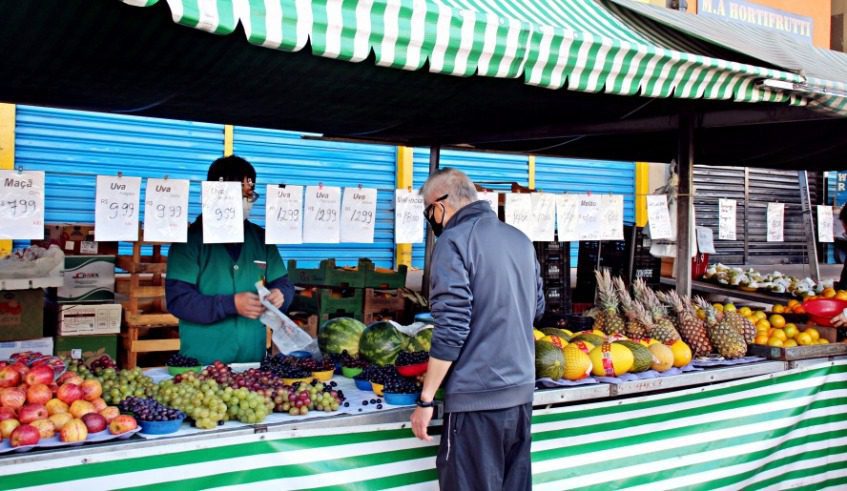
(429, 213)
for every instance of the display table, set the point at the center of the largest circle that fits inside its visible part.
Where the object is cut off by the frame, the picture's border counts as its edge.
(782, 429)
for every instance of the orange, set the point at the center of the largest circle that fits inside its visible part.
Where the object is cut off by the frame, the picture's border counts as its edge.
(841, 295)
(778, 309)
(779, 334)
(813, 333)
(763, 324)
(822, 341)
(791, 330)
(789, 344)
(760, 315)
(799, 309)
(718, 307)
(745, 311)
(792, 303)
(804, 339)
(762, 329)
(729, 308)
(777, 321)
(775, 342)
(761, 339)
(828, 293)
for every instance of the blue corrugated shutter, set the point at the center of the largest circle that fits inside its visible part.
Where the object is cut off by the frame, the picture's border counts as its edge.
(282, 157)
(73, 147)
(482, 167)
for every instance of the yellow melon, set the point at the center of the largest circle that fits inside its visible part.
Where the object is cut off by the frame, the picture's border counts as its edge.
(611, 360)
(662, 357)
(555, 341)
(681, 354)
(577, 364)
(583, 346)
(537, 334)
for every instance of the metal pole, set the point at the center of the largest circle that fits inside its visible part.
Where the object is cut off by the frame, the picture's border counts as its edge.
(809, 225)
(685, 162)
(434, 164)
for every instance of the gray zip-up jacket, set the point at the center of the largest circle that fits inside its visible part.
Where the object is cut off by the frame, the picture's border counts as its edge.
(485, 292)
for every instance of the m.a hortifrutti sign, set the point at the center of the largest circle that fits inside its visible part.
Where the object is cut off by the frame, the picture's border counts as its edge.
(760, 15)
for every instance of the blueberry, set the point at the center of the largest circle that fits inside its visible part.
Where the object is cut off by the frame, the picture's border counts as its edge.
(379, 406)
(364, 403)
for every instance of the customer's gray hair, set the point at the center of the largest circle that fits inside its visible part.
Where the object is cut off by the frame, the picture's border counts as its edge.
(454, 183)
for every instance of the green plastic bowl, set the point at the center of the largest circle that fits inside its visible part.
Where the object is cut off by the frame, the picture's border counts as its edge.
(179, 370)
(350, 372)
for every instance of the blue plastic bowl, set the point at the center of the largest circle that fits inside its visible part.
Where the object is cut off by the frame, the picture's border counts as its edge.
(160, 427)
(396, 399)
(363, 384)
(424, 317)
(300, 354)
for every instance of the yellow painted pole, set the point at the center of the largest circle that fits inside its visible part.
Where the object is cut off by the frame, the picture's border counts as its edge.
(531, 170)
(7, 154)
(642, 188)
(404, 180)
(228, 139)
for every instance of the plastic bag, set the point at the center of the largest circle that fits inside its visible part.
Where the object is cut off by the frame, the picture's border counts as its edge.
(287, 335)
(33, 262)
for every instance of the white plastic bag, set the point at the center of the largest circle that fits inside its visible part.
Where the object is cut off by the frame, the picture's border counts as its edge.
(287, 336)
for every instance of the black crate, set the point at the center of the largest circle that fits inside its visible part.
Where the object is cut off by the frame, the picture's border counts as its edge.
(629, 259)
(554, 261)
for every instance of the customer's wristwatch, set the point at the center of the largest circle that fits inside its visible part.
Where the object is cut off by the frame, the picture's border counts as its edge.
(425, 404)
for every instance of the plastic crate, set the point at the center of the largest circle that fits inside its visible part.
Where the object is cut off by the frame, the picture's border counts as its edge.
(555, 264)
(628, 259)
(329, 303)
(328, 274)
(382, 279)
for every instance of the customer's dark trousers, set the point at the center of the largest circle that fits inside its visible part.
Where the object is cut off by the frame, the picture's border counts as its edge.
(486, 450)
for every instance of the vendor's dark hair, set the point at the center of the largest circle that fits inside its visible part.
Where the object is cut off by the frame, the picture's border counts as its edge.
(231, 168)
(842, 215)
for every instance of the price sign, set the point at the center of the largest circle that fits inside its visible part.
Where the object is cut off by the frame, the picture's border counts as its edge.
(588, 220)
(776, 222)
(358, 215)
(166, 210)
(21, 205)
(519, 212)
(567, 217)
(544, 217)
(223, 212)
(611, 217)
(658, 217)
(321, 221)
(726, 219)
(493, 199)
(284, 215)
(408, 217)
(825, 225)
(705, 240)
(116, 211)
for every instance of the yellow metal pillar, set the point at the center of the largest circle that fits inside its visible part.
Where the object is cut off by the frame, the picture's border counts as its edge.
(531, 170)
(228, 139)
(642, 186)
(7, 154)
(403, 252)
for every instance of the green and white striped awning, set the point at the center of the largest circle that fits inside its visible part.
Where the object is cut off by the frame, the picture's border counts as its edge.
(579, 45)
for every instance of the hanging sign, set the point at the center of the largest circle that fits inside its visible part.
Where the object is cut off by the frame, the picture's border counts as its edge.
(116, 209)
(588, 220)
(776, 221)
(825, 228)
(519, 212)
(611, 217)
(21, 205)
(358, 215)
(492, 197)
(284, 215)
(567, 217)
(726, 219)
(544, 217)
(223, 212)
(321, 221)
(705, 240)
(658, 217)
(166, 210)
(408, 217)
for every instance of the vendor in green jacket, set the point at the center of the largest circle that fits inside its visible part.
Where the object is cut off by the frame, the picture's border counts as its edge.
(211, 288)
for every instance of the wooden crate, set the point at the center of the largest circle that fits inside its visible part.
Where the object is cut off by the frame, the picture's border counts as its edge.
(383, 304)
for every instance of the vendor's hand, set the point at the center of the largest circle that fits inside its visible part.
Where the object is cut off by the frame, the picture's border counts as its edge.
(420, 420)
(248, 305)
(276, 298)
(839, 320)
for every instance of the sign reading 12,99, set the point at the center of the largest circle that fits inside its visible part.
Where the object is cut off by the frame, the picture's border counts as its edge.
(21, 205)
(116, 209)
(321, 220)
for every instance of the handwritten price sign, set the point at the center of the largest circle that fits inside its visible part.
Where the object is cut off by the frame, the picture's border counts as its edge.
(726, 219)
(408, 217)
(321, 220)
(658, 217)
(519, 212)
(776, 222)
(116, 210)
(21, 205)
(567, 217)
(284, 215)
(166, 210)
(358, 213)
(544, 217)
(223, 212)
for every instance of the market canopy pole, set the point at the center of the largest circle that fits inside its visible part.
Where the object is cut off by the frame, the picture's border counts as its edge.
(685, 163)
(434, 164)
(809, 226)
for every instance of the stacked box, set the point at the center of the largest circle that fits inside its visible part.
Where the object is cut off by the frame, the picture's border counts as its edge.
(554, 260)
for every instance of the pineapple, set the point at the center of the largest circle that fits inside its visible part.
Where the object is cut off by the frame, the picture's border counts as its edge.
(728, 342)
(663, 329)
(691, 328)
(634, 328)
(608, 321)
(742, 325)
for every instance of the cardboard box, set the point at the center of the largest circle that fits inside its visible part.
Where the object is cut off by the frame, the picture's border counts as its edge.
(40, 345)
(86, 347)
(88, 279)
(76, 239)
(85, 319)
(21, 314)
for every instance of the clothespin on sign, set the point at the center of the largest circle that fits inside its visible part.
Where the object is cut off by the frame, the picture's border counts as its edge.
(320, 185)
(120, 174)
(166, 177)
(409, 189)
(360, 186)
(20, 169)
(281, 186)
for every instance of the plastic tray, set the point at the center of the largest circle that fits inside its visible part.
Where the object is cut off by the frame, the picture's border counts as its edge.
(160, 427)
(397, 399)
(179, 370)
(363, 384)
(413, 370)
(350, 372)
(377, 388)
(323, 376)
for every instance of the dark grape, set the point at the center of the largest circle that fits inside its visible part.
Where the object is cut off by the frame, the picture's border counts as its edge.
(180, 360)
(414, 358)
(148, 409)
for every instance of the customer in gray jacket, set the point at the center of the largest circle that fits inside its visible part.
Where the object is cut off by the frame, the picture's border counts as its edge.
(485, 292)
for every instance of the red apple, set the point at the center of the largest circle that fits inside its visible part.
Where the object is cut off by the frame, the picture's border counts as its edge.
(69, 392)
(122, 424)
(7, 426)
(99, 404)
(24, 435)
(13, 397)
(80, 408)
(38, 394)
(60, 419)
(9, 377)
(6, 413)
(39, 375)
(21, 368)
(91, 389)
(73, 431)
(94, 422)
(46, 428)
(110, 413)
(31, 412)
(70, 378)
(55, 406)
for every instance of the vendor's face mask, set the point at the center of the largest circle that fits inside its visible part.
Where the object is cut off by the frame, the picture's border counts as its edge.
(247, 205)
(429, 214)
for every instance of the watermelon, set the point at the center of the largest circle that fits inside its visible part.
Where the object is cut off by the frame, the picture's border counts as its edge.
(340, 334)
(549, 361)
(422, 340)
(382, 342)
